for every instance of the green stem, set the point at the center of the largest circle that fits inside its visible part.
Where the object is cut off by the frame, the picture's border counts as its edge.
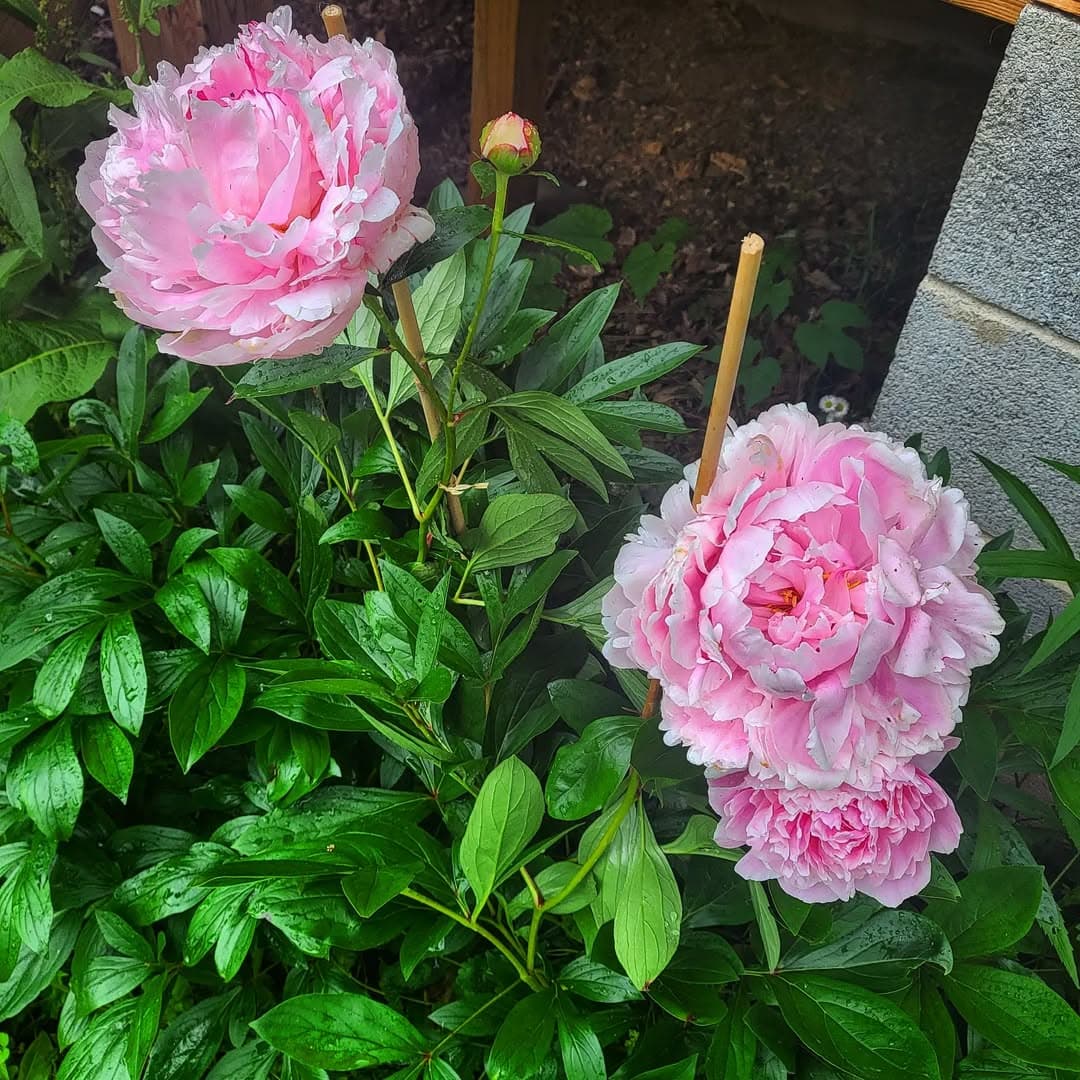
(384, 423)
(449, 420)
(421, 371)
(534, 933)
(631, 793)
(526, 977)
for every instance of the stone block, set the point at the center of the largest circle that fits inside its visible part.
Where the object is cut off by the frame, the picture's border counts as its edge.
(1012, 234)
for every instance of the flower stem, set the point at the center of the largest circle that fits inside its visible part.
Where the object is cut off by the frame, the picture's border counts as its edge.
(384, 423)
(526, 977)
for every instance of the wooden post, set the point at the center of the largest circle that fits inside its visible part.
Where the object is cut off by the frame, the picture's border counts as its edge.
(1009, 10)
(185, 28)
(508, 73)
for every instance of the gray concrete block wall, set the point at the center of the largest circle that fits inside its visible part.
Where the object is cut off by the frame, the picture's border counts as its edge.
(989, 359)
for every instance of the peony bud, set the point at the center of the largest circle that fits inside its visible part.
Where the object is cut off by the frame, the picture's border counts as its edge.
(511, 143)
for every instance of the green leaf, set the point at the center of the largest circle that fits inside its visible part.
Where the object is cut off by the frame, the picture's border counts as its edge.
(29, 75)
(26, 903)
(107, 755)
(827, 338)
(123, 672)
(648, 907)
(644, 265)
(550, 362)
(584, 255)
(1063, 629)
(516, 529)
(996, 909)
(373, 887)
(593, 981)
(689, 986)
(185, 545)
(17, 440)
(260, 506)
(854, 1030)
(584, 226)
(632, 372)
(131, 368)
(1070, 728)
(437, 301)
(1018, 1013)
(699, 838)
(317, 434)
(585, 773)
(937, 1024)
(45, 781)
(1031, 509)
(758, 376)
(184, 605)
(122, 937)
(266, 583)
(227, 598)
(766, 922)
(204, 708)
(195, 485)
(339, 1031)
(733, 1049)
(455, 226)
(562, 418)
(222, 923)
(18, 200)
(59, 676)
(366, 523)
(269, 378)
(582, 1055)
(506, 816)
(977, 755)
(43, 362)
(523, 1043)
(34, 972)
(1029, 564)
(107, 978)
(126, 543)
(316, 561)
(185, 1049)
(882, 954)
(178, 408)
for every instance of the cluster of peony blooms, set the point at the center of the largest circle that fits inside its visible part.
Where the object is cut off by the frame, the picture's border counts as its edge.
(244, 204)
(813, 625)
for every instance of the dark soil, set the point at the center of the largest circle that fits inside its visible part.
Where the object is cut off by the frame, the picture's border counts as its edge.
(710, 111)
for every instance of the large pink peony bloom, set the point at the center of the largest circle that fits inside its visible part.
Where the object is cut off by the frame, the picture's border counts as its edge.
(243, 205)
(828, 845)
(817, 619)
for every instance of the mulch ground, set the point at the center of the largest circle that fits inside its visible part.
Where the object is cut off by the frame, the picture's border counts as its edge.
(710, 111)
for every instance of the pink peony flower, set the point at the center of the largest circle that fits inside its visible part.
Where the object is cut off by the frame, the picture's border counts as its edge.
(816, 620)
(828, 845)
(243, 205)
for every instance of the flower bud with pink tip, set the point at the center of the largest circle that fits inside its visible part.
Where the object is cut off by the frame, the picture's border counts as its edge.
(511, 143)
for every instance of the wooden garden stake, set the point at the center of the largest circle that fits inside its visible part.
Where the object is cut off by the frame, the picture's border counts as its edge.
(333, 18)
(742, 296)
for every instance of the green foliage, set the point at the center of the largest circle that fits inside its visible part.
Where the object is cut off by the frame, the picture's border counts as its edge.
(307, 770)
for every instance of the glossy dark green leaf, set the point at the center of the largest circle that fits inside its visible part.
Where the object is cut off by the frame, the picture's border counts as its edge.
(45, 781)
(519, 528)
(362, 524)
(455, 226)
(339, 1031)
(523, 1042)
(269, 378)
(733, 1050)
(689, 987)
(977, 755)
(264, 582)
(131, 368)
(582, 1055)
(996, 909)
(123, 672)
(1018, 1013)
(1029, 564)
(260, 507)
(853, 1029)
(185, 1049)
(593, 981)
(107, 754)
(204, 708)
(58, 678)
(585, 773)
(122, 937)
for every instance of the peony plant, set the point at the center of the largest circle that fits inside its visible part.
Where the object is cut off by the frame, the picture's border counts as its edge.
(312, 760)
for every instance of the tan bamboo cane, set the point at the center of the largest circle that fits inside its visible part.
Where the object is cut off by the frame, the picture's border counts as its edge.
(333, 18)
(742, 297)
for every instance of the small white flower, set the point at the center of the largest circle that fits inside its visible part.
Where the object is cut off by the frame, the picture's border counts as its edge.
(834, 407)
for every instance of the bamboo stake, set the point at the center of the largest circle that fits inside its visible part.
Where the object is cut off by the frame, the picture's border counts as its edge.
(742, 296)
(333, 18)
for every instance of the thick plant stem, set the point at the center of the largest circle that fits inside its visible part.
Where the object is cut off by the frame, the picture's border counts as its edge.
(742, 297)
(526, 977)
(633, 787)
(415, 344)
